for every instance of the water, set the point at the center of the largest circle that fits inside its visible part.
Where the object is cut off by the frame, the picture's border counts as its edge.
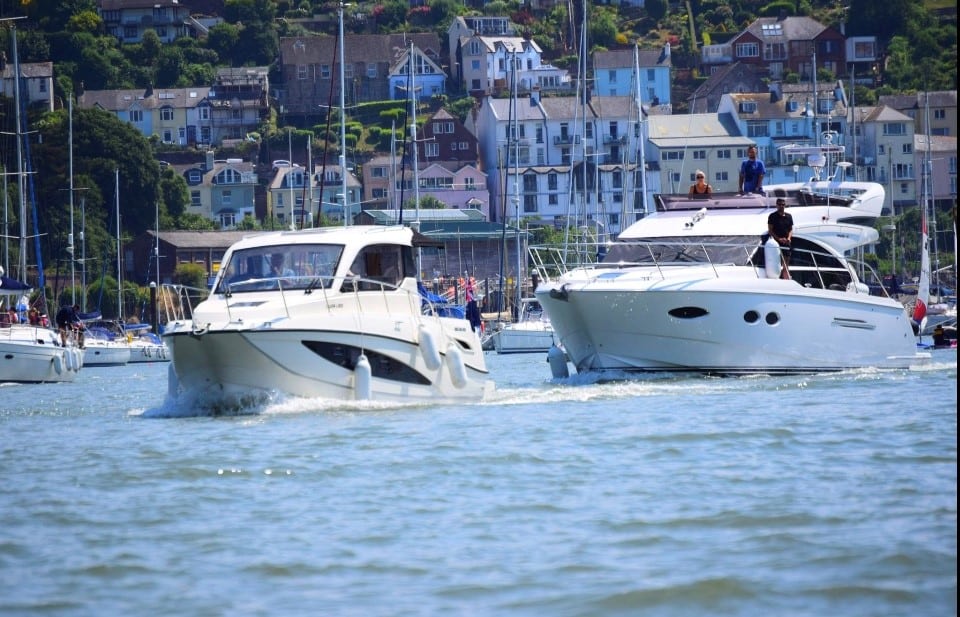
(817, 495)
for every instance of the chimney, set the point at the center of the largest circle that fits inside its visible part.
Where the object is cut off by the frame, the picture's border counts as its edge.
(148, 92)
(208, 163)
(534, 96)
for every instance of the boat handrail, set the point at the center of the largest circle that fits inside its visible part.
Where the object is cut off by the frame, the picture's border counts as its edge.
(178, 301)
(347, 285)
(814, 267)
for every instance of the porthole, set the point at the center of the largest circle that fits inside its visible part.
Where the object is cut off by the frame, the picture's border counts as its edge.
(687, 312)
(773, 318)
(751, 317)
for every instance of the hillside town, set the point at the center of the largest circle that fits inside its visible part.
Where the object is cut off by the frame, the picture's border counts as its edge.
(538, 147)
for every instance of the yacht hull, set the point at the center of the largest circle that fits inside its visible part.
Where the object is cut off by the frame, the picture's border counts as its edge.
(708, 325)
(33, 355)
(237, 362)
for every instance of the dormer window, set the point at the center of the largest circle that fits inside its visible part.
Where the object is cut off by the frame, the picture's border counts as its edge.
(748, 107)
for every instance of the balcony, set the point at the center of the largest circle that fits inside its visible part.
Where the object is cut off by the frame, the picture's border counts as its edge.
(565, 140)
(615, 139)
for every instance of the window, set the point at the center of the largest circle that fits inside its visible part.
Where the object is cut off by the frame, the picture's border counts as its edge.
(939, 114)
(612, 76)
(470, 183)
(530, 203)
(204, 112)
(529, 183)
(324, 71)
(617, 180)
(136, 115)
(723, 154)
(431, 149)
(552, 199)
(372, 70)
(651, 76)
(748, 50)
(379, 193)
(539, 134)
(758, 129)
(863, 50)
(301, 71)
(226, 198)
(552, 181)
(378, 172)
(908, 148)
(195, 199)
(166, 114)
(699, 155)
(894, 128)
(167, 136)
(194, 177)
(721, 176)
(672, 155)
(230, 176)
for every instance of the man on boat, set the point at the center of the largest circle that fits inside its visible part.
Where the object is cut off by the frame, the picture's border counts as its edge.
(780, 228)
(68, 317)
(751, 173)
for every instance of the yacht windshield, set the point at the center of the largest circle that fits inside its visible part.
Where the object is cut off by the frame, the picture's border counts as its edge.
(735, 250)
(293, 266)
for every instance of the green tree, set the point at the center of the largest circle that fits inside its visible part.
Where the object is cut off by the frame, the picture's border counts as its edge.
(195, 222)
(191, 275)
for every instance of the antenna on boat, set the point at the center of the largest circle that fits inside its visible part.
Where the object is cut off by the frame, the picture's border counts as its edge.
(343, 125)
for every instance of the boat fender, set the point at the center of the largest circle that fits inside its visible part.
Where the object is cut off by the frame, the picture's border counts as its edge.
(68, 360)
(557, 359)
(58, 363)
(771, 259)
(77, 358)
(859, 288)
(428, 347)
(458, 372)
(362, 379)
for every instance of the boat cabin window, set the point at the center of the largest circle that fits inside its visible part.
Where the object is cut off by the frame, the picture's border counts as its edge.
(296, 266)
(380, 266)
(736, 250)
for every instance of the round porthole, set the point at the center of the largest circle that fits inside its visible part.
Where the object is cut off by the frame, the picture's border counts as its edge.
(751, 317)
(773, 318)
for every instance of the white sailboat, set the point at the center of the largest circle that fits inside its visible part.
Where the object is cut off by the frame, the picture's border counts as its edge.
(29, 353)
(104, 345)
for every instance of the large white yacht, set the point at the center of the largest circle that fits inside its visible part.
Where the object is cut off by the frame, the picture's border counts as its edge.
(693, 287)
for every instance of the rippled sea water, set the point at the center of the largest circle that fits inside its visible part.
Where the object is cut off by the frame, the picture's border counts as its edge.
(817, 495)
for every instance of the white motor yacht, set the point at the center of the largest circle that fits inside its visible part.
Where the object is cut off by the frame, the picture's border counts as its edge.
(331, 312)
(692, 287)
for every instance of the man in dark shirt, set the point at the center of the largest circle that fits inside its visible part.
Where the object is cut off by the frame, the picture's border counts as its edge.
(68, 317)
(780, 228)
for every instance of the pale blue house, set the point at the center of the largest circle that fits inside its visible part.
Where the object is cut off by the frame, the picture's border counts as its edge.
(614, 75)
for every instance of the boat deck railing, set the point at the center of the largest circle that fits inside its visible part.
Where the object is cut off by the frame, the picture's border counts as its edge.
(808, 267)
(177, 301)
(369, 294)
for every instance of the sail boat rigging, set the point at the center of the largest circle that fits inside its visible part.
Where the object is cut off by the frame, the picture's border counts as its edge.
(32, 352)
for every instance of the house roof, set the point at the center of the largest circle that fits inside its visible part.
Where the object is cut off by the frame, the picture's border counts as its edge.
(934, 143)
(794, 28)
(882, 113)
(947, 98)
(369, 48)
(202, 239)
(700, 129)
(623, 59)
(113, 100)
(731, 76)
(29, 70)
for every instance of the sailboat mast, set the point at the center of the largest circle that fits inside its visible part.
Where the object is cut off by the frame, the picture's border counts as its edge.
(21, 191)
(640, 133)
(516, 179)
(70, 246)
(343, 126)
(413, 134)
(119, 271)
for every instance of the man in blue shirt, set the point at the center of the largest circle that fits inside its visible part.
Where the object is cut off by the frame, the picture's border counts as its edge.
(751, 173)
